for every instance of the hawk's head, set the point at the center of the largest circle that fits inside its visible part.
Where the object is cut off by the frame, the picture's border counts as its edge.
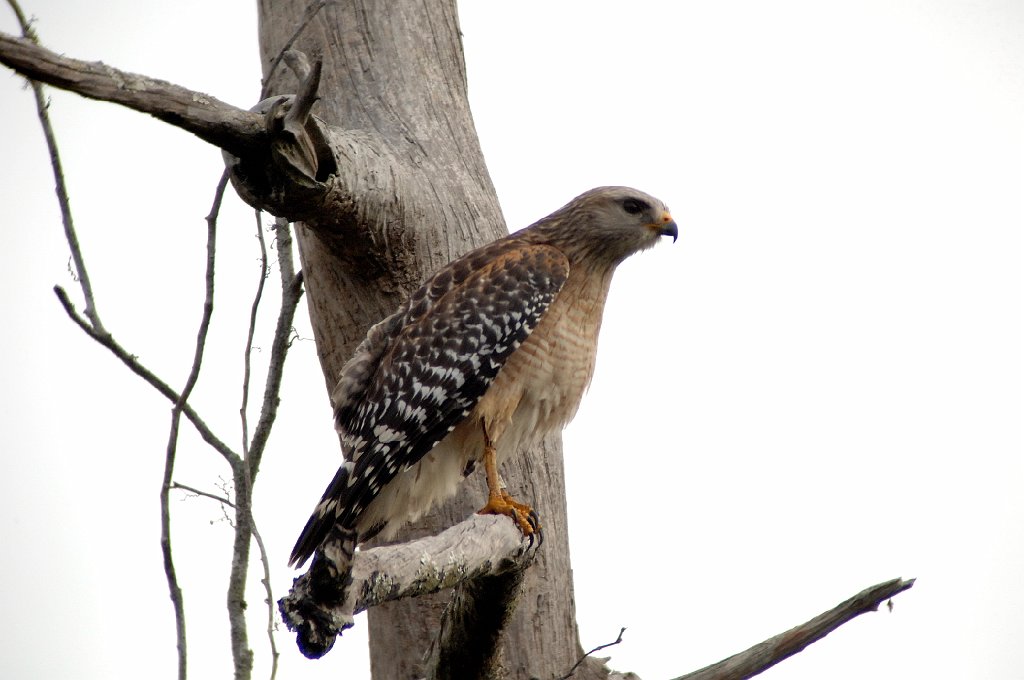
(608, 224)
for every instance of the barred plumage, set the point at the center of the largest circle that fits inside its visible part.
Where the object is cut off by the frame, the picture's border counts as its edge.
(489, 354)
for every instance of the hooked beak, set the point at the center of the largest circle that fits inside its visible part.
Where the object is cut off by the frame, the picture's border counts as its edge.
(667, 227)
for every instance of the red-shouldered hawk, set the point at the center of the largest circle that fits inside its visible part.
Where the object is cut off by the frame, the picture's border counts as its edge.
(490, 354)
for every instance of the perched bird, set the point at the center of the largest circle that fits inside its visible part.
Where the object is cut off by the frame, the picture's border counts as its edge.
(490, 354)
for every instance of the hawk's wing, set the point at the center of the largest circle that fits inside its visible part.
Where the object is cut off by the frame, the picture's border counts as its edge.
(428, 367)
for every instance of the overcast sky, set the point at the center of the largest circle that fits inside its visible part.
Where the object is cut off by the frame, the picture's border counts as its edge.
(817, 388)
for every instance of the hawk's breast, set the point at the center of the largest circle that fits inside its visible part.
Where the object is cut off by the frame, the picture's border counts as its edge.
(540, 386)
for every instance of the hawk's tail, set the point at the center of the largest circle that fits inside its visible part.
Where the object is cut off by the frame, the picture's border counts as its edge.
(325, 519)
(324, 612)
(332, 544)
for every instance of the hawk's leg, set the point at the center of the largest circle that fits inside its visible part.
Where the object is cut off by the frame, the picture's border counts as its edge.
(499, 501)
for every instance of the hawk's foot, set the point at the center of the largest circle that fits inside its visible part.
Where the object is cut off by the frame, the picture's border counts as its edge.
(523, 515)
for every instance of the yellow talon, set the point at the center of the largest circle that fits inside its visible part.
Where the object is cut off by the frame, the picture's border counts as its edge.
(503, 504)
(499, 501)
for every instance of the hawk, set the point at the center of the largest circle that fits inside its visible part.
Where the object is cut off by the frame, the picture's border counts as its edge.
(490, 354)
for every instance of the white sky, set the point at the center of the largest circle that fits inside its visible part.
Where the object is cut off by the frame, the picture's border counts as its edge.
(816, 389)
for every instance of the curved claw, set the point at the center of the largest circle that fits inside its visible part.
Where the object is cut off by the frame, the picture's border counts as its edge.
(523, 515)
(534, 519)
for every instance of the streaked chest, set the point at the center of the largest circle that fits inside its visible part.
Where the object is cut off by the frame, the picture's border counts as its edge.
(542, 383)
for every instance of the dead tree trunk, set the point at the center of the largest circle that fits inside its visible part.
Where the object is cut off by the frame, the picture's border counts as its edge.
(394, 77)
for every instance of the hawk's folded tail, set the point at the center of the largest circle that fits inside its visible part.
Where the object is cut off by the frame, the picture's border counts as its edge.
(323, 613)
(320, 617)
(324, 518)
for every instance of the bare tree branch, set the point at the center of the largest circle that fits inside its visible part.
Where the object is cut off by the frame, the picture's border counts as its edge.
(63, 200)
(96, 329)
(132, 362)
(177, 598)
(210, 119)
(205, 494)
(240, 548)
(243, 522)
(265, 561)
(482, 545)
(770, 652)
(245, 473)
(290, 297)
(576, 665)
(247, 355)
(291, 292)
(282, 158)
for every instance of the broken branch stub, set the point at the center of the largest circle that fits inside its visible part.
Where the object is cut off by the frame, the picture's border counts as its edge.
(287, 178)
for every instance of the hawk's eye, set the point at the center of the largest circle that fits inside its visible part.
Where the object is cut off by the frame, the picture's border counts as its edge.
(633, 206)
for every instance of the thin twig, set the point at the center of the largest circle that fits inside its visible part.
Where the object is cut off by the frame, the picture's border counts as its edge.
(42, 107)
(170, 573)
(595, 649)
(172, 439)
(241, 654)
(198, 492)
(246, 473)
(274, 654)
(135, 366)
(252, 331)
(225, 488)
(291, 294)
